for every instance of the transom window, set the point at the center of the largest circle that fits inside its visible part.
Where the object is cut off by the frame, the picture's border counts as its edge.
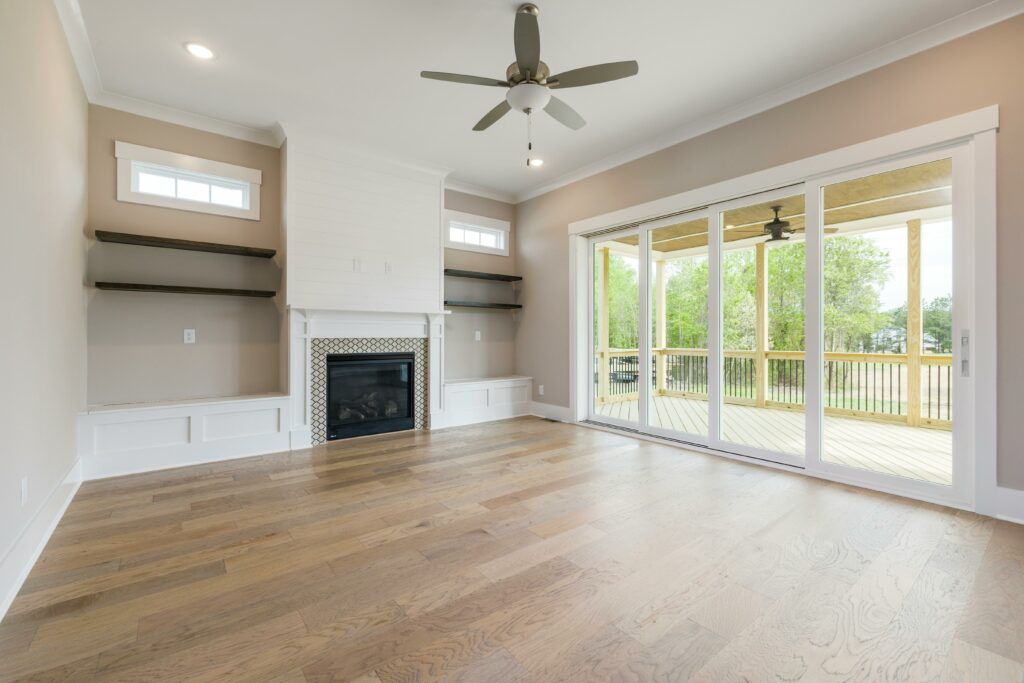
(161, 178)
(477, 233)
(163, 181)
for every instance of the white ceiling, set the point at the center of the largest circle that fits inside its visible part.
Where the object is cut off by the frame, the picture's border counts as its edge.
(352, 68)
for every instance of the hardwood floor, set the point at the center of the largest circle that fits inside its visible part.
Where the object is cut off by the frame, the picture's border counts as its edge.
(522, 550)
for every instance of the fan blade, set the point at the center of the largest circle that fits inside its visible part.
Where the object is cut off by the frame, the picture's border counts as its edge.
(827, 231)
(564, 114)
(462, 78)
(527, 40)
(493, 115)
(589, 75)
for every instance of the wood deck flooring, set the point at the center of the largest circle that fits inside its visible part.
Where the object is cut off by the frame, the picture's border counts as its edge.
(912, 452)
(517, 551)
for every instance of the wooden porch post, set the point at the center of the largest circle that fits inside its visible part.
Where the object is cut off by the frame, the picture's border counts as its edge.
(661, 321)
(914, 322)
(761, 326)
(602, 325)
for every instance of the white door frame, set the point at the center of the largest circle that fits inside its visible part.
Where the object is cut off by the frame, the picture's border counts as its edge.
(977, 129)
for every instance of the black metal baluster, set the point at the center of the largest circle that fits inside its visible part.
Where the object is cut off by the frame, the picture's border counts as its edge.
(949, 394)
(931, 397)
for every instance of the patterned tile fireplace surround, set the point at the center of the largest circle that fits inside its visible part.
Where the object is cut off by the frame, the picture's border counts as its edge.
(316, 334)
(323, 347)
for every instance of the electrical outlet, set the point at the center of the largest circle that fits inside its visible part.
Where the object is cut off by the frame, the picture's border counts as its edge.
(540, 390)
(190, 336)
(24, 490)
(477, 335)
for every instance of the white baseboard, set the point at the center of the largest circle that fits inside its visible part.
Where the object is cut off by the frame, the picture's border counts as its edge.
(1009, 505)
(145, 437)
(551, 412)
(19, 560)
(300, 438)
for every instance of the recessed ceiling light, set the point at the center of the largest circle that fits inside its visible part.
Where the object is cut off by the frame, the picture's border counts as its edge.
(199, 51)
(535, 162)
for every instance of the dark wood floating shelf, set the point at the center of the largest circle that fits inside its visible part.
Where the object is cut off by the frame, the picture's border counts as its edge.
(452, 272)
(184, 245)
(480, 304)
(180, 289)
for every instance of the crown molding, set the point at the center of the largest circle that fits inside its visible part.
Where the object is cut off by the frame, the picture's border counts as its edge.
(943, 32)
(70, 14)
(480, 191)
(180, 117)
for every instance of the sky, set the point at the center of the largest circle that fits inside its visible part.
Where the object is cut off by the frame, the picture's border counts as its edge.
(936, 262)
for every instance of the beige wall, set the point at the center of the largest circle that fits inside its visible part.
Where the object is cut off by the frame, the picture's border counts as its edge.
(136, 351)
(977, 70)
(43, 122)
(494, 354)
(106, 213)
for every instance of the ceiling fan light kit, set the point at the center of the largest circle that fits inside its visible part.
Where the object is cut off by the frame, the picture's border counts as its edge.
(526, 97)
(529, 81)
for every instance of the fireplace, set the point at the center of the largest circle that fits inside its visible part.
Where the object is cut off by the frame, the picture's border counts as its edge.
(369, 393)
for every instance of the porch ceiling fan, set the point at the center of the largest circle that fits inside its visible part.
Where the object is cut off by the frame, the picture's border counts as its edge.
(529, 80)
(777, 229)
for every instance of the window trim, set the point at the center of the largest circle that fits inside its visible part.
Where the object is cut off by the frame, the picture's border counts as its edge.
(127, 153)
(472, 220)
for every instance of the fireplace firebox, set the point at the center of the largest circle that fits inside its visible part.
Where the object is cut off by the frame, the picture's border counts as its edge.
(369, 393)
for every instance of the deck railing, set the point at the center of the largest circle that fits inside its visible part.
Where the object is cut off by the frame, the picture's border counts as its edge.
(870, 386)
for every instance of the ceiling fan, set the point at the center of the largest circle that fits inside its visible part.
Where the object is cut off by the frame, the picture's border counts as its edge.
(529, 81)
(777, 229)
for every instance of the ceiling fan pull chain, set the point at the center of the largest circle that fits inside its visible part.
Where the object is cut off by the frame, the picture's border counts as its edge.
(529, 136)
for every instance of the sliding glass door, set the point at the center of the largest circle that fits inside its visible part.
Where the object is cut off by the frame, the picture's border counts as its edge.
(678, 276)
(615, 329)
(818, 326)
(762, 273)
(891, 304)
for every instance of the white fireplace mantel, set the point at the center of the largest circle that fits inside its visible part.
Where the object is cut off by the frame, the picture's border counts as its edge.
(307, 324)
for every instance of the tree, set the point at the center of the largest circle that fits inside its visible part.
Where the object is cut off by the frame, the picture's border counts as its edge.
(856, 269)
(937, 321)
(623, 303)
(786, 265)
(686, 297)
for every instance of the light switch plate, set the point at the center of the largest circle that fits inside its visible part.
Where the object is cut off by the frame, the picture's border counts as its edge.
(477, 335)
(190, 336)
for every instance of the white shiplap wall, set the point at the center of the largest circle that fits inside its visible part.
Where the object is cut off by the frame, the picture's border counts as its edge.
(363, 233)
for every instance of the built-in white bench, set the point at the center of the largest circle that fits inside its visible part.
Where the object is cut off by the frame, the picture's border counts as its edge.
(139, 437)
(472, 400)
